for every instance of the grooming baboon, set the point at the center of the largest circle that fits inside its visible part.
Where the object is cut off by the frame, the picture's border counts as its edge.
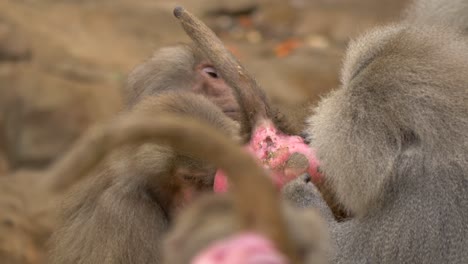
(393, 143)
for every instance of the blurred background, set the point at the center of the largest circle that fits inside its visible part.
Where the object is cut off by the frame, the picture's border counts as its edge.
(63, 63)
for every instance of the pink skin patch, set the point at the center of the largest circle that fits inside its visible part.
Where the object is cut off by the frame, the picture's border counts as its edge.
(276, 152)
(247, 248)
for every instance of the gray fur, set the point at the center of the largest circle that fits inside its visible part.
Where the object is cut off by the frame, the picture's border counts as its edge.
(393, 142)
(450, 13)
(169, 68)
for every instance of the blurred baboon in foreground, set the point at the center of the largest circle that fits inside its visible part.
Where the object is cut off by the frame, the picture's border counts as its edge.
(393, 143)
(210, 223)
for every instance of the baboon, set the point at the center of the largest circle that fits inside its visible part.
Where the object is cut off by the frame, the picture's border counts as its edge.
(392, 141)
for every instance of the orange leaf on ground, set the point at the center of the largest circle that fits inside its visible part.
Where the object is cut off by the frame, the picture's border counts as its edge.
(285, 48)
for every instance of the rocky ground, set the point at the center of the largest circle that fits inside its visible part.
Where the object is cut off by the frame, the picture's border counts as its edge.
(63, 63)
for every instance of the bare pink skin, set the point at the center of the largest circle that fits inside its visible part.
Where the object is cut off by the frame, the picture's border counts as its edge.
(273, 149)
(247, 248)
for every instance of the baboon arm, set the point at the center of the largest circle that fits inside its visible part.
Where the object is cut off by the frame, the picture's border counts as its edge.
(302, 193)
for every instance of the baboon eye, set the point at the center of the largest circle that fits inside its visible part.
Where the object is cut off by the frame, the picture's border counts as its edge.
(211, 71)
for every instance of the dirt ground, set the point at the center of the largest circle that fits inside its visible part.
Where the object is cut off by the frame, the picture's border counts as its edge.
(63, 63)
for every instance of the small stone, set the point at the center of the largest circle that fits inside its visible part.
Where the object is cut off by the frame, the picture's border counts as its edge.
(317, 42)
(253, 36)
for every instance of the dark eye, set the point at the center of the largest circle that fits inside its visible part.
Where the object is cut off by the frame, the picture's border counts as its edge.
(211, 71)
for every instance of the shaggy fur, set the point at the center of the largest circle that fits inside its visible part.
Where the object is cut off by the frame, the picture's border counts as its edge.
(393, 143)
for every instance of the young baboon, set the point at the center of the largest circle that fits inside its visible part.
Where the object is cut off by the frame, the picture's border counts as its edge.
(393, 143)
